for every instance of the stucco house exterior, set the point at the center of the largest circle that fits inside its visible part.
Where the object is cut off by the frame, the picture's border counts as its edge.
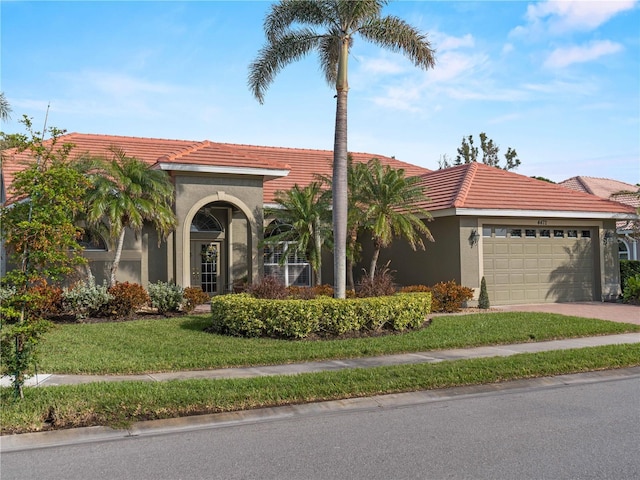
(532, 241)
(628, 242)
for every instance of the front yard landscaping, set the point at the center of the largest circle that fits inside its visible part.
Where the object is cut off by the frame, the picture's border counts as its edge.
(175, 344)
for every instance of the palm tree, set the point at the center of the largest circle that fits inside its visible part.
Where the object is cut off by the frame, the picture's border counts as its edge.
(391, 208)
(356, 173)
(307, 212)
(295, 28)
(125, 193)
(5, 108)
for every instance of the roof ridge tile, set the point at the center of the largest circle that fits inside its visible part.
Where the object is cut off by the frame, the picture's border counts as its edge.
(465, 185)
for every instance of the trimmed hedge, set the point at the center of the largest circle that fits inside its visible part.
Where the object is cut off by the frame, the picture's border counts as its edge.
(246, 316)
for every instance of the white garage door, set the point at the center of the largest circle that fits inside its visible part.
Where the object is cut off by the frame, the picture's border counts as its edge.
(538, 265)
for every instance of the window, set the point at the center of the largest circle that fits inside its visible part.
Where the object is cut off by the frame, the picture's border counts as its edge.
(558, 234)
(586, 233)
(572, 234)
(92, 241)
(516, 232)
(530, 233)
(544, 233)
(205, 221)
(623, 250)
(486, 232)
(293, 270)
(501, 232)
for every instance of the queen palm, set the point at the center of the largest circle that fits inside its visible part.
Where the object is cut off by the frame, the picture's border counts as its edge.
(306, 211)
(125, 193)
(295, 28)
(392, 209)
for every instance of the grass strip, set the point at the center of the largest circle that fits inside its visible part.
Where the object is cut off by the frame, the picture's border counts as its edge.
(182, 344)
(118, 404)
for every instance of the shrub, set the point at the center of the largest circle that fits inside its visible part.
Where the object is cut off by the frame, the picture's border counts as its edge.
(381, 284)
(268, 287)
(415, 289)
(323, 290)
(85, 299)
(449, 296)
(166, 297)
(483, 298)
(301, 293)
(631, 292)
(126, 298)
(44, 300)
(194, 296)
(243, 315)
(628, 269)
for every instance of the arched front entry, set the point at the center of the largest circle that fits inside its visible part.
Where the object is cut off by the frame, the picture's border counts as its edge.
(219, 244)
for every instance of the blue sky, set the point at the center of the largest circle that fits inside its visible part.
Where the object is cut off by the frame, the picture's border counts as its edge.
(557, 81)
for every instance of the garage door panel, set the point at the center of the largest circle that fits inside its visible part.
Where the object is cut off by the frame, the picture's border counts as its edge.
(541, 269)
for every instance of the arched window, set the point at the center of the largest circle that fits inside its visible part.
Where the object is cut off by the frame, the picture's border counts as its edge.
(92, 241)
(205, 221)
(623, 250)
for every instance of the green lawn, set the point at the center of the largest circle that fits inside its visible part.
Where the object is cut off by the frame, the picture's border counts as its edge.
(120, 403)
(182, 344)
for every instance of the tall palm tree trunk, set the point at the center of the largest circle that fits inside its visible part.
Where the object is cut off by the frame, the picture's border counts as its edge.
(374, 262)
(116, 260)
(318, 248)
(339, 184)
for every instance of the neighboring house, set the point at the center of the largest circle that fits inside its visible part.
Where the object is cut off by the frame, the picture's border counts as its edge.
(533, 241)
(627, 231)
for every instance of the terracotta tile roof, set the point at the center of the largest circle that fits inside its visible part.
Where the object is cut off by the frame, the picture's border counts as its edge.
(607, 188)
(479, 186)
(305, 164)
(301, 163)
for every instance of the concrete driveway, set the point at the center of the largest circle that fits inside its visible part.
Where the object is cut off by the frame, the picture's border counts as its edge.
(616, 312)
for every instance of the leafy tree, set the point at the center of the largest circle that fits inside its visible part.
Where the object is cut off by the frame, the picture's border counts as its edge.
(293, 29)
(391, 201)
(468, 152)
(306, 210)
(125, 193)
(39, 234)
(544, 179)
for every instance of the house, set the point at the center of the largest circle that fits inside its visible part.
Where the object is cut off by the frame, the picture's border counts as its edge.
(628, 248)
(532, 241)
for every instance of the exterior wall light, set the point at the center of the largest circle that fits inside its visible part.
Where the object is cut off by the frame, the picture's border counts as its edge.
(474, 237)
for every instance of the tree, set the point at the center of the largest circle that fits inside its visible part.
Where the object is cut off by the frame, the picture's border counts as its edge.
(306, 211)
(125, 193)
(5, 108)
(468, 152)
(392, 209)
(39, 234)
(293, 29)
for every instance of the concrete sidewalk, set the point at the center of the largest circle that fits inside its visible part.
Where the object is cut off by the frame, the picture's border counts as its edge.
(433, 356)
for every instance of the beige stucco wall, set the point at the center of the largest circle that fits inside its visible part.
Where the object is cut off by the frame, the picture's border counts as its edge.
(243, 193)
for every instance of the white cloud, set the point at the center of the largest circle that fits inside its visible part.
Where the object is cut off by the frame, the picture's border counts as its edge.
(445, 42)
(382, 66)
(403, 98)
(558, 17)
(453, 65)
(563, 57)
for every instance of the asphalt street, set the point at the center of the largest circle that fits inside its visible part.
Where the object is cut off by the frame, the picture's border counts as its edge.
(566, 427)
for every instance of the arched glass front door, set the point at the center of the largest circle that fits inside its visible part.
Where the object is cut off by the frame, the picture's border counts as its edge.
(208, 250)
